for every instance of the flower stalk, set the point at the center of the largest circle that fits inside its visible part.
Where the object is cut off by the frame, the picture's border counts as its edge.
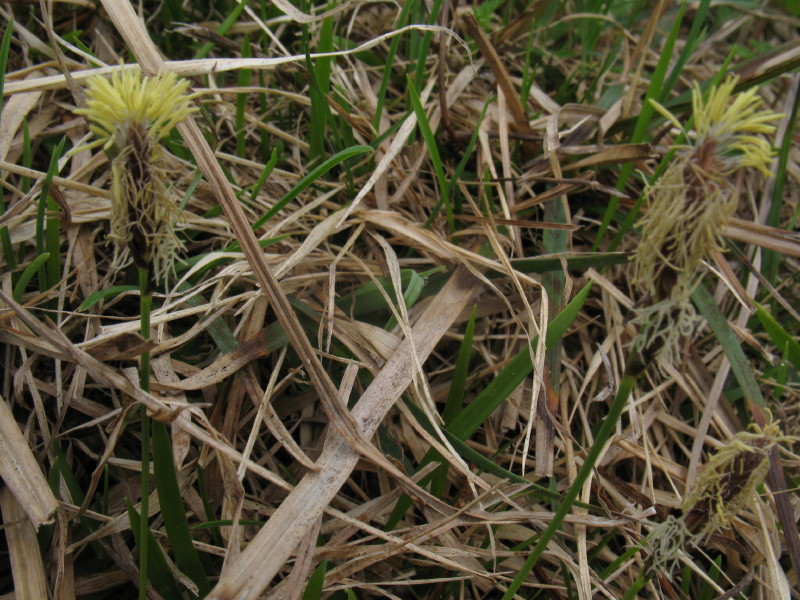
(130, 116)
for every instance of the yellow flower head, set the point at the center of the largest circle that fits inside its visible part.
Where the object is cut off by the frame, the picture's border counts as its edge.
(695, 198)
(730, 125)
(131, 115)
(156, 103)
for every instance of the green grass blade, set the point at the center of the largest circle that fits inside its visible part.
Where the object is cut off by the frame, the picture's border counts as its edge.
(455, 397)
(422, 50)
(309, 180)
(100, 295)
(411, 294)
(26, 276)
(53, 242)
(433, 150)
(402, 21)
(265, 173)
(159, 573)
(172, 510)
(315, 583)
(655, 90)
(733, 350)
(232, 17)
(319, 72)
(607, 427)
(513, 373)
(690, 44)
(554, 241)
(367, 299)
(780, 337)
(451, 185)
(41, 215)
(771, 259)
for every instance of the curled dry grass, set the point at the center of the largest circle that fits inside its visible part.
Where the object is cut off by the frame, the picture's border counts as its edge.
(265, 336)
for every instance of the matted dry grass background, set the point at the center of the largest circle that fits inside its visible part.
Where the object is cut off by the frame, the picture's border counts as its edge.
(261, 437)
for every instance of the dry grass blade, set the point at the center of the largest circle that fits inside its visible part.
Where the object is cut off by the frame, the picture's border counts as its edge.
(22, 474)
(291, 522)
(500, 72)
(30, 582)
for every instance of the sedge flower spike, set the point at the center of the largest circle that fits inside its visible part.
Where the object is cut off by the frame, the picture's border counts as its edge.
(726, 485)
(129, 116)
(692, 202)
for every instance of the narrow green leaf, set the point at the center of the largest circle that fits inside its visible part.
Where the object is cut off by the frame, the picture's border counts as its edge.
(53, 242)
(455, 397)
(100, 295)
(689, 46)
(388, 68)
(265, 173)
(459, 171)
(513, 373)
(159, 573)
(771, 259)
(319, 72)
(367, 299)
(780, 337)
(433, 150)
(315, 583)
(730, 345)
(607, 427)
(27, 275)
(309, 179)
(41, 220)
(411, 294)
(232, 17)
(172, 509)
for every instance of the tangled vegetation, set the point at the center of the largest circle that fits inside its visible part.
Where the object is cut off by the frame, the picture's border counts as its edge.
(405, 300)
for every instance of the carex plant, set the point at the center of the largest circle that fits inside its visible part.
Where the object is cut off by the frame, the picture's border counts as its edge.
(689, 206)
(726, 485)
(687, 210)
(130, 116)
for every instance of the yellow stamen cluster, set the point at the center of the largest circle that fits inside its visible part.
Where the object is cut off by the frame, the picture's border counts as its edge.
(731, 125)
(695, 198)
(158, 103)
(130, 115)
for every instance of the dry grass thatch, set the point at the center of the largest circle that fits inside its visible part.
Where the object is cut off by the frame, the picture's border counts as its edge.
(397, 356)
